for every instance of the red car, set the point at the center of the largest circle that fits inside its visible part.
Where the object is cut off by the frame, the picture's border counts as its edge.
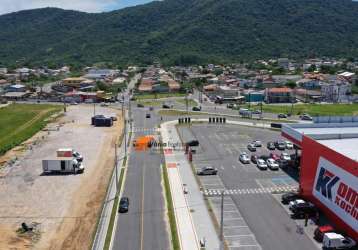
(320, 231)
(276, 157)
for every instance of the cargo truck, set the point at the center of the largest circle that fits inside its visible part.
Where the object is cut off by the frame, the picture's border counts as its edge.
(62, 165)
(69, 152)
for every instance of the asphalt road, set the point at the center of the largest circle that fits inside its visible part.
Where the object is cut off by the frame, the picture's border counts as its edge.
(144, 226)
(253, 218)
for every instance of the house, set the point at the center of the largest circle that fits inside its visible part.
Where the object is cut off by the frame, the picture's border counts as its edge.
(3, 71)
(283, 63)
(173, 86)
(348, 76)
(278, 95)
(100, 74)
(75, 82)
(307, 83)
(308, 95)
(210, 87)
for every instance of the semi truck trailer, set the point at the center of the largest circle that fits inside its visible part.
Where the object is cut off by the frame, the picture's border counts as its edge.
(62, 165)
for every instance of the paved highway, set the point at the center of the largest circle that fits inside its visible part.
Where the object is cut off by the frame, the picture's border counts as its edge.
(144, 226)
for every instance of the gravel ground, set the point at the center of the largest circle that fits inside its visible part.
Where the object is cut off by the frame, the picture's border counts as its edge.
(66, 206)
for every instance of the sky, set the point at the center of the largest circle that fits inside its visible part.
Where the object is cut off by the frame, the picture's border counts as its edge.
(7, 6)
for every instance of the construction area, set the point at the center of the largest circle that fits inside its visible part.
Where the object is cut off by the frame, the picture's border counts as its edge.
(60, 210)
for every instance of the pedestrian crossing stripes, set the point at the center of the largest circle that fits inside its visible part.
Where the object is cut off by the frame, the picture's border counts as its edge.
(216, 192)
(151, 130)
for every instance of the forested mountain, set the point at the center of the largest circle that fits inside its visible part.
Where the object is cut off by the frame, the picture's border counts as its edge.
(182, 31)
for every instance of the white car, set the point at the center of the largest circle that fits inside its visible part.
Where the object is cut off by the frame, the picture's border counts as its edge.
(272, 164)
(261, 164)
(257, 143)
(289, 145)
(295, 203)
(285, 157)
(244, 158)
(337, 241)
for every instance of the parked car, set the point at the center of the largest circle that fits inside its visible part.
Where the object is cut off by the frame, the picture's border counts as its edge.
(140, 105)
(282, 115)
(123, 205)
(230, 105)
(271, 145)
(280, 145)
(309, 210)
(207, 171)
(147, 116)
(103, 104)
(274, 156)
(290, 196)
(257, 143)
(264, 157)
(337, 241)
(289, 145)
(306, 117)
(295, 203)
(321, 230)
(254, 158)
(257, 112)
(285, 157)
(165, 106)
(244, 158)
(196, 108)
(272, 164)
(193, 143)
(261, 164)
(251, 147)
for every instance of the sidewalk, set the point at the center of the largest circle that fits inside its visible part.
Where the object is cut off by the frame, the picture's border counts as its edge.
(192, 217)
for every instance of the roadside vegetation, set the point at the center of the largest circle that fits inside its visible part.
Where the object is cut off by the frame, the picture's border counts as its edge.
(312, 109)
(19, 122)
(158, 96)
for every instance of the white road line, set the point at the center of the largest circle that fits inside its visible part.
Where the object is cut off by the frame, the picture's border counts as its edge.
(240, 235)
(234, 167)
(234, 226)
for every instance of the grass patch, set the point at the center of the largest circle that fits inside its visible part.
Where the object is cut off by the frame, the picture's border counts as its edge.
(158, 96)
(19, 122)
(171, 215)
(151, 103)
(312, 109)
(191, 103)
(171, 112)
(114, 208)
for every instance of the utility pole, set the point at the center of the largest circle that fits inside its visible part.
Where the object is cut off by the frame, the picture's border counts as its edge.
(125, 136)
(186, 101)
(116, 166)
(222, 221)
(94, 108)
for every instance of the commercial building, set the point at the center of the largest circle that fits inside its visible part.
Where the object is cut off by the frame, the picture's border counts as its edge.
(278, 95)
(329, 168)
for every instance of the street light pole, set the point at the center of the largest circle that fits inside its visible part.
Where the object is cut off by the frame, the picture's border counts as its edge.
(116, 166)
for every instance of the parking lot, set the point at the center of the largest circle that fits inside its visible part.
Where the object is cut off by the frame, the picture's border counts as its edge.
(253, 217)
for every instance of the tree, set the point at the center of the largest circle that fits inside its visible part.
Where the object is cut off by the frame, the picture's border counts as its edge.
(312, 68)
(291, 84)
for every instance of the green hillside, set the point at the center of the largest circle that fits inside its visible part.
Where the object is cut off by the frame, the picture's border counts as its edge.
(182, 32)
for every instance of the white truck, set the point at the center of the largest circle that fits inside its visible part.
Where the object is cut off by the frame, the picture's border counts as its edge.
(62, 165)
(337, 241)
(69, 152)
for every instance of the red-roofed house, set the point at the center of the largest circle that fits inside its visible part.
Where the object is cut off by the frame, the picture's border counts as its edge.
(278, 95)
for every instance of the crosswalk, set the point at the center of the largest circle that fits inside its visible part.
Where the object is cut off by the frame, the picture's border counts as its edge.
(144, 130)
(281, 189)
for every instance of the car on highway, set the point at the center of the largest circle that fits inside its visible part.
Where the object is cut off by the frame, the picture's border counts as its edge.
(286, 198)
(256, 112)
(140, 105)
(281, 115)
(244, 158)
(285, 157)
(261, 164)
(306, 117)
(254, 158)
(280, 145)
(123, 205)
(251, 147)
(257, 143)
(193, 143)
(196, 108)
(166, 106)
(271, 145)
(274, 156)
(272, 164)
(289, 145)
(207, 171)
(147, 116)
(151, 108)
(321, 230)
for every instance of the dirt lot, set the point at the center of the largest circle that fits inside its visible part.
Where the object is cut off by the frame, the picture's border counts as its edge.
(65, 206)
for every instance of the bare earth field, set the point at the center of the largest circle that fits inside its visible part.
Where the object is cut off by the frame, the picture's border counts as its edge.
(65, 206)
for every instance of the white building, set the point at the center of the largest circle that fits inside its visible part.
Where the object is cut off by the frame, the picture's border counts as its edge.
(337, 91)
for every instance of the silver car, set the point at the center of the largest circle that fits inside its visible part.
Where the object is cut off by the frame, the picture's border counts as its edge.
(244, 158)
